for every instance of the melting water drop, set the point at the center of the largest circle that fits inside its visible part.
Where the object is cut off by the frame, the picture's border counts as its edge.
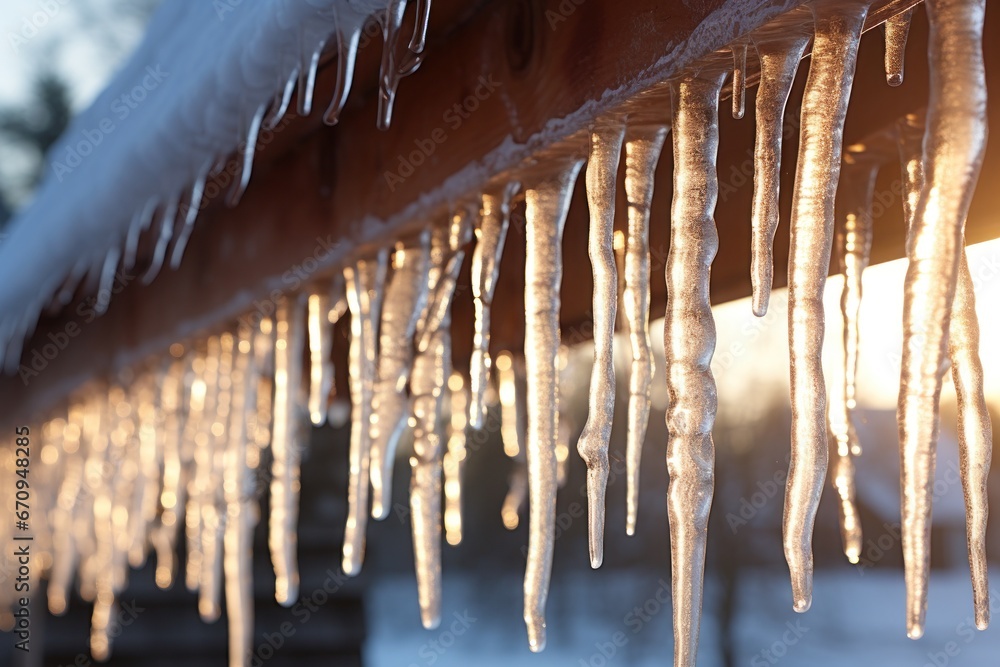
(602, 173)
(779, 61)
(491, 233)
(739, 50)
(824, 108)
(405, 300)
(688, 343)
(547, 202)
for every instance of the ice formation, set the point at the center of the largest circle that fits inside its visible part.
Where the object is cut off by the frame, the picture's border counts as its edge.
(175, 443)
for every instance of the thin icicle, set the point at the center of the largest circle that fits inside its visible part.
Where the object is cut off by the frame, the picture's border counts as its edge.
(897, 29)
(237, 486)
(172, 490)
(107, 280)
(642, 151)
(454, 458)
(547, 203)
(507, 388)
(286, 450)
(779, 61)
(283, 102)
(320, 356)
(602, 176)
(392, 70)
(405, 300)
(348, 36)
(190, 215)
(140, 223)
(365, 283)
(307, 78)
(167, 220)
(247, 150)
(689, 343)
(517, 493)
(824, 108)
(954, 145)
(853, 250)
(423, 15)
(491, 234)
(739, 51)
(431, 368)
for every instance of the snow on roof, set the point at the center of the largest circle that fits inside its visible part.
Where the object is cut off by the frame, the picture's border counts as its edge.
(187, 96)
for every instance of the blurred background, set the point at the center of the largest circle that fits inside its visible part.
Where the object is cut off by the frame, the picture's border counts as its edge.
(55, 58)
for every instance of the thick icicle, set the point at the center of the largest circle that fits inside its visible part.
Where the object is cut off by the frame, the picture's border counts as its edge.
(642, 151)
(739, 50)
(237, 485)
(286, 449)
(954, 145)
(320, 356)
(431, 369)
(897, 29)
(602, 175)
(824, 108)
(454, 458)
(689, 343)
(779, 61)
(405, 300)
(365, 283)
(547, 202)
(491, 233)
(854, 250)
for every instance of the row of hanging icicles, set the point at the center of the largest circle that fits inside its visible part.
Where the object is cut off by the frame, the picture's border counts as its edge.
(180, 443)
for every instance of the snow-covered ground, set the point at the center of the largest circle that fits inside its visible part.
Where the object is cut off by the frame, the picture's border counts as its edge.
(593, 621)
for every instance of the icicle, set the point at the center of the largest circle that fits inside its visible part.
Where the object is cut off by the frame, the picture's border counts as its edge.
(897, 29)
(508, 389)
(203, 370)
(454, 459)
(824, 108)
(348, 37)
(365, 283)
(238, 492)
(248, 149)
(431, 368)
(491, 233)
(854, 249)
(107, 280)
(147, 482)
(517, 493)
(320, 356)
(739, 51)
(547, 202)
(190, 216)
(283, 102)
(689, 343)
(423, 15)
(954, 145)
(67, 500)
(172, 490)
(567, 424)
(405, 299)
(392, 71)
(602, 175)
(307, 79)
(286, 450)
(779, 61)
(642, 151)
(166, 233)
(140, 223)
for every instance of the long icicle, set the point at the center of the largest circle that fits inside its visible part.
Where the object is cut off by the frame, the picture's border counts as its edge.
(779, 61)
(975, 432)
(642, 151)
(286, 450)
(405, 299)
(236, 484)
(431, 369)
(491, 233)
(954, 146)
(547, 202)
(365, 283)
(320, 349)
(602, 176)
(689, 343)
(824, 108)
(897, 29)
(854, 244)
(454, 458)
